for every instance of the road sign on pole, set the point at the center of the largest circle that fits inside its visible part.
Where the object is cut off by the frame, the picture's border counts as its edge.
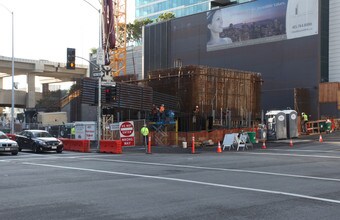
(100, 56)
(97, 74)
(127, 134)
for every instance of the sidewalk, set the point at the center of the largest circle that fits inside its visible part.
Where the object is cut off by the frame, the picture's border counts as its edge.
(334, 136)
(312, 137)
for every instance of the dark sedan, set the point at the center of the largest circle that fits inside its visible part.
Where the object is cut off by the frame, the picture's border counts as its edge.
(38, 141)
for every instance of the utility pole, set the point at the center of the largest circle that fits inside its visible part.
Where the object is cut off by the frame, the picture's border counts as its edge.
(99, 107)
(13, 96)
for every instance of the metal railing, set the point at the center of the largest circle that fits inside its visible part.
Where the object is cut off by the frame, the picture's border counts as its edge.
(69, 98)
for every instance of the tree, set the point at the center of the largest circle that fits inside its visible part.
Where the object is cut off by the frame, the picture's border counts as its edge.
(93, 50)
(134, 30)
(165, 16)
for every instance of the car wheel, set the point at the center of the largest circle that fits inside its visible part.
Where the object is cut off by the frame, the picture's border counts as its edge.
(14, 152)
(59, 151)
(36, 149)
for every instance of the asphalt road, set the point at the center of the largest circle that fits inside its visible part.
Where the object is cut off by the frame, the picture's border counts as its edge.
(280, 182)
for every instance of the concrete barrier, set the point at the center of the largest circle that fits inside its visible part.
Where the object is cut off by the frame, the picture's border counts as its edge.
(111, 146)
(76, 145)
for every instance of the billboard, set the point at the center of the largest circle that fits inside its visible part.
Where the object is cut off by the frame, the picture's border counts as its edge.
(261, 22)
(281, 39)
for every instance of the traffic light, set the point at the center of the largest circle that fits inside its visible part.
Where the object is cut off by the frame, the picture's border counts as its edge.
(110, 94)
(107, 94)
(114, 93)
(71, 58)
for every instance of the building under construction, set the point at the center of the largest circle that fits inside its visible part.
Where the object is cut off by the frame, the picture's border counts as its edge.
(219, 93)
(224, 96)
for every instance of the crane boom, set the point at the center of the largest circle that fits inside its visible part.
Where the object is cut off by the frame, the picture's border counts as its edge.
(114, 16)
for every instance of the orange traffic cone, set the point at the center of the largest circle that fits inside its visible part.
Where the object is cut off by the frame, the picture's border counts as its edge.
(219, 149)
(291, 143)
(320, 138)
(264, 145)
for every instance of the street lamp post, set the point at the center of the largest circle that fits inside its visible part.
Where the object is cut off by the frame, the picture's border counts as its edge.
(99, 107)
(13, 100)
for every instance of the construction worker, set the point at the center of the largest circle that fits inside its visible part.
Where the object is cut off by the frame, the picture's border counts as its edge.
(73, 132)
(304, 122)
(145, 132)
(195, 118)
(161, 112)
(154, 112)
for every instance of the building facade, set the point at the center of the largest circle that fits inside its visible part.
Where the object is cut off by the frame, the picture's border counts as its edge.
(287, 41)
(153, 8)
(334, 41)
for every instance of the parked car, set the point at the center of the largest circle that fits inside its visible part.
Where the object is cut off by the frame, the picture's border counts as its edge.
(8, 145)
(38, 141)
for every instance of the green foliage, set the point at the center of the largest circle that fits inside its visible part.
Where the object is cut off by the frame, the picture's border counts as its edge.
(73, 88)
(134, 30)
(93, 50)
(50, 102)
(165, 16)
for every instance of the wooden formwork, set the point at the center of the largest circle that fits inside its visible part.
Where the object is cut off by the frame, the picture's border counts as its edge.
(211, 89)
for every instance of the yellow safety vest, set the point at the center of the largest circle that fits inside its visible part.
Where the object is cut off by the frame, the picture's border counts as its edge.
(305, 117)
(144, 131)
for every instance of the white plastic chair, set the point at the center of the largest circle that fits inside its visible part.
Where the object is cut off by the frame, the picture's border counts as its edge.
(229, 141)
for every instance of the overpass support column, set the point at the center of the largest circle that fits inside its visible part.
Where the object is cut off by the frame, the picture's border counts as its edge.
(30, 100)
(45, 88)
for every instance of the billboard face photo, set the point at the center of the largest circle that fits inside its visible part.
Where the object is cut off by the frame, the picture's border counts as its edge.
(261, 22)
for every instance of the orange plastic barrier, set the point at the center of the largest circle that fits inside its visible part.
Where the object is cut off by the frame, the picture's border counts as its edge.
(113, 147)
(76, 145)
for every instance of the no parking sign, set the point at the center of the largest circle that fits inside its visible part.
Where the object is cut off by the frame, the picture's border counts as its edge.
(127, 133)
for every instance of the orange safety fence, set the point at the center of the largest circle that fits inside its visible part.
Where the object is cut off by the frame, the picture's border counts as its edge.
(111, 146)
(76, 145)
(200, 136)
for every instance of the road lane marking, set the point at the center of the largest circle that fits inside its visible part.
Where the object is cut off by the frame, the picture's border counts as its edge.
(45, 157)
(189, 181)
(178, 166)
(318, 151)
(294, 155)
(185, 166)
(217, 169)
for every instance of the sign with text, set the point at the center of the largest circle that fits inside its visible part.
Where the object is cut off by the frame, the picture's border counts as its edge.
(114, 127)
(85, 130)
(260, 22)
(100, 56)
(127, 133)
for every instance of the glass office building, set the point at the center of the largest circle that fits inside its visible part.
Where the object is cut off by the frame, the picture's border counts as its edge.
(153, 8)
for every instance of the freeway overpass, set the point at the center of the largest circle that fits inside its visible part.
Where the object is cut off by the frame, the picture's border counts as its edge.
(53, 71)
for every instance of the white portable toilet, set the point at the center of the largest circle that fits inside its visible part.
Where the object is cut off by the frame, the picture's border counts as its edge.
(276, 125)
(292, 125)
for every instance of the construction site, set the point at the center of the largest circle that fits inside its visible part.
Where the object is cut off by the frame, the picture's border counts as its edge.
(201, 88)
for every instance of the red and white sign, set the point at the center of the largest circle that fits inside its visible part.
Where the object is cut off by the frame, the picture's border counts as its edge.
(127, 133)
(90, 132)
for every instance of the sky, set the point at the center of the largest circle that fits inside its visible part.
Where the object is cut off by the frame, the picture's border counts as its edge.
(43, 29)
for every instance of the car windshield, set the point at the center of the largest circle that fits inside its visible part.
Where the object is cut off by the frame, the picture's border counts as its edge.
(3, 135)
(41, 134)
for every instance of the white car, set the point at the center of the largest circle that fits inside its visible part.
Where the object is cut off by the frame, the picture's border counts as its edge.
(7, 145)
